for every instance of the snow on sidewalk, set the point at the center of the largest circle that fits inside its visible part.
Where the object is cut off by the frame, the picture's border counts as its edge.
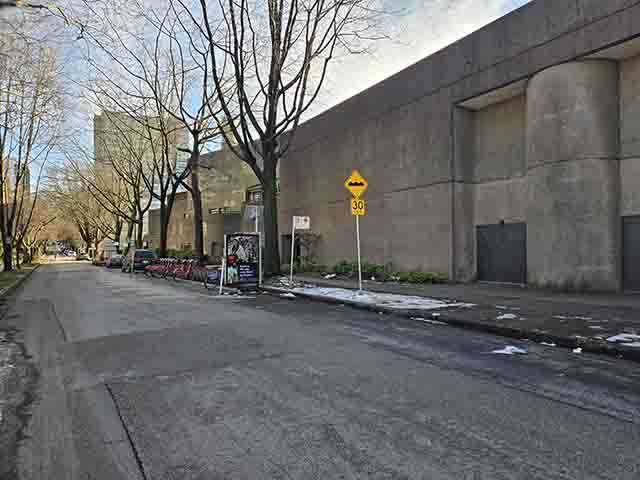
(387, 300)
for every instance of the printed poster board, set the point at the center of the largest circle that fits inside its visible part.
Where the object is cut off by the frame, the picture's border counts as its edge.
(242, 254)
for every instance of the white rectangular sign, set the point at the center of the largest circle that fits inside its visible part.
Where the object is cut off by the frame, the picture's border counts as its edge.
(301, 223)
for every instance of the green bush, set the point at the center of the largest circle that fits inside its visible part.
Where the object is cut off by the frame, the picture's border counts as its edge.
(385, 273)
(344, 268)
(419, 277)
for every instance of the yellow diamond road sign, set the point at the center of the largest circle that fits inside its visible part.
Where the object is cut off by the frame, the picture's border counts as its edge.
(356, 184)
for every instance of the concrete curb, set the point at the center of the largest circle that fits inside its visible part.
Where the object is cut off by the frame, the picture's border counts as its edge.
(587, 344)
(13, 288)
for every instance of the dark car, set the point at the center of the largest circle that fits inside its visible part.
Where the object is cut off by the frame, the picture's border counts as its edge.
(114, 261)
(141, 260)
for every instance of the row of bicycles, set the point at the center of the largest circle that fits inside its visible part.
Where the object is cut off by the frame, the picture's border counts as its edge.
(172, 268)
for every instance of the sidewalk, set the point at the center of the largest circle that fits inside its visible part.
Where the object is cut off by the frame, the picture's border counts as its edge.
(593, 322)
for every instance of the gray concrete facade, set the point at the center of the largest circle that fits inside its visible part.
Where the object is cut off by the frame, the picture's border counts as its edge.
(533, 119)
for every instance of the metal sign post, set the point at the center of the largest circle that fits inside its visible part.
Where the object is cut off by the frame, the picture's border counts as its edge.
(357, 185)
(222, 275)
(358, 244)
(224, 264)
(298, 223)
(259, 259)
(293, 242)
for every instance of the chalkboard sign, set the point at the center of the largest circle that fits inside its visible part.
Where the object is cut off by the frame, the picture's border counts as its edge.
(242, 256)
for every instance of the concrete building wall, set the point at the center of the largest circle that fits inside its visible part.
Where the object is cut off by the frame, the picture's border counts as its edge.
(517, 122)
(499, 162)
(572, 157)
(630, 136)
(223, 181)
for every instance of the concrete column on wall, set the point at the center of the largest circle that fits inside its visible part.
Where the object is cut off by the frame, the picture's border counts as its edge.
(573, 236)
(464, 247)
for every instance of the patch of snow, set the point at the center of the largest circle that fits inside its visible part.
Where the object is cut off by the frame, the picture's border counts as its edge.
(507, 316)
(624, 338)
(388, 300)
(547, 344)
(577, 317)
(596, 327)
(435, 314)
(426, 320)
(510, 350)
(330, 276)
(634, 344)
(577, 350)
(502, 307)
(287, 295)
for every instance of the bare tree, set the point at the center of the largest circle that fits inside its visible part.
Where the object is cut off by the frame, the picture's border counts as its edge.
(165, 73)
(31, 106)
(277, 55)
(30, 238)
(74, 203)
(119, 172)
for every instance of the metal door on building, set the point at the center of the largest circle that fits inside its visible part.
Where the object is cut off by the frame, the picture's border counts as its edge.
(631, 253)
(502, 252)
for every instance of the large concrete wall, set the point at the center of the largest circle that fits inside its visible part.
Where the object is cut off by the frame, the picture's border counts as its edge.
(572, 157)
(409, 137)
(499, 162)
(630, 136)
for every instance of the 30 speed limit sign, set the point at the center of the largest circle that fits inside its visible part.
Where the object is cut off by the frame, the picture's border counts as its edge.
(357, 207)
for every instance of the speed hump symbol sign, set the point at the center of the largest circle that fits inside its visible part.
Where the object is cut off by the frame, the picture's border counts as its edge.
(358, 207)
(356, 184)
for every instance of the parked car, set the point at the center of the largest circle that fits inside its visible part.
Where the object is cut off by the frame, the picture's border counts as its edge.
(114, 261)
(141, 260)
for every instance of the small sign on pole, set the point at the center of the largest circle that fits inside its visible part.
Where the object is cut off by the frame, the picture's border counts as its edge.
(358, 207)
(357, 184)
(302, 223)
(298, 223)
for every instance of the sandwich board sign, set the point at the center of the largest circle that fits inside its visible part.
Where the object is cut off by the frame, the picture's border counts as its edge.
(242, 260)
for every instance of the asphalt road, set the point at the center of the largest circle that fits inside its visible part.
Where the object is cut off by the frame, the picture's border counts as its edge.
(142, 379)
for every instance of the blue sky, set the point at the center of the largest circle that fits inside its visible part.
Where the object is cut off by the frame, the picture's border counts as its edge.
(420, 28)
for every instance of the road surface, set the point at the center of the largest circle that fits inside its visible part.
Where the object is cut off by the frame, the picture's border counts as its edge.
(146, 379)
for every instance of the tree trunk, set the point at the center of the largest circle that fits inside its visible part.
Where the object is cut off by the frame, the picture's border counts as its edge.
(270, 199)
(196, 196)
(165, 220)
(7, 256)
(129, 235)
(139, 232)
(118, 232)
(162, 248)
